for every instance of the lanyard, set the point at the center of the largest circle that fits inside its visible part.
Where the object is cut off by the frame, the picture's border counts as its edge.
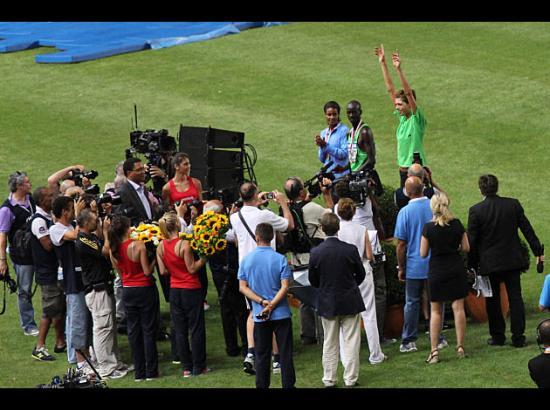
(329, 132)
(354, 130)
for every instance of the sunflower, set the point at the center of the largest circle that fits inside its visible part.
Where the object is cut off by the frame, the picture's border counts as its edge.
(194, 245)
(205, 237)
(210, 251)
(221, 244)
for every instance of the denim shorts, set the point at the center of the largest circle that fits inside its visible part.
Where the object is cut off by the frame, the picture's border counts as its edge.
(77, 315)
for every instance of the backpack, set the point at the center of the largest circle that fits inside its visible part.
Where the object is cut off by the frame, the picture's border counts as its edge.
(21, 239)
(297, 240)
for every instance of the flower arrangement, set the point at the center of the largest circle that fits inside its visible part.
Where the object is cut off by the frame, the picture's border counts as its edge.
(147, 233)
(208, 234)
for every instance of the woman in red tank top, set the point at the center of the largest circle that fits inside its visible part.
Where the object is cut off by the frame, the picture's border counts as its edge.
(175, 258)
(141, 300)
(182, 187)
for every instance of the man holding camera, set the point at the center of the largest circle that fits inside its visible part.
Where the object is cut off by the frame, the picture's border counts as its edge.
(46, 266)
(425, 175)
(306, 234)
(99, 293)
(14, 213)
(264, 277)
(244, 222)
(63, 237)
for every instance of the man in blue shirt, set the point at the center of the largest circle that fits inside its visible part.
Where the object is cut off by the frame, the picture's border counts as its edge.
(333, 141)
(264, 278)
(412, 268)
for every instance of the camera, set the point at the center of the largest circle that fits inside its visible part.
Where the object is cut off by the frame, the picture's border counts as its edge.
(77, 175)
(361, 186)
(107, 197)
(9, 282)
(269, 195)
(312, 184)
(262, 316)
(153, 145)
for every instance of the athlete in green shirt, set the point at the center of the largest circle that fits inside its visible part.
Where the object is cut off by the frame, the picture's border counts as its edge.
(412, 123)
(361, 149)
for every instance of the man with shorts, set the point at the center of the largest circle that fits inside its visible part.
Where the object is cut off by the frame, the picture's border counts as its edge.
(45, 267)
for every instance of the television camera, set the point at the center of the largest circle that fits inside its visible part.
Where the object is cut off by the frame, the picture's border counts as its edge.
(312, 184)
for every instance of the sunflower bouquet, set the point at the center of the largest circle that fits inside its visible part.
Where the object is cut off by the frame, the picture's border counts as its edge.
(208, 235)
(148, 233)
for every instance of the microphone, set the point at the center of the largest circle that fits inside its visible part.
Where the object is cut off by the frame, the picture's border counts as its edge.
(540, 265)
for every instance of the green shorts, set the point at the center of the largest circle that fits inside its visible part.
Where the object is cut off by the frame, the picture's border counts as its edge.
(53, 301)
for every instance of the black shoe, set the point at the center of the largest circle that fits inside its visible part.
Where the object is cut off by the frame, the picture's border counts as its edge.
(523, 343)
(493, 342)
(309, 341)
(60, 349)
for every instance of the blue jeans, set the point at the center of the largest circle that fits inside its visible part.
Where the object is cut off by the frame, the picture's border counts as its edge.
(413, 295)
(77, 325)
(25, 276)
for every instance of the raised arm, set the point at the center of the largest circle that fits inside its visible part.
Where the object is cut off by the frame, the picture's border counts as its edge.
(404, 83)
(379, 52)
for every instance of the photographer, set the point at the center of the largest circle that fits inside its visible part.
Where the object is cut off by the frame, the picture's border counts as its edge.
(430, 187)
(60, 180)
(364, 216)
(244, 223)
(99, 294)
(306, 234)
(63, 236)
(224, 267)
(46, 266)
(14, 213)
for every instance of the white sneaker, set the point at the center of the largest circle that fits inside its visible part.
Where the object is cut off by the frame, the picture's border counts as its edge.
(115, 374)
(31, 332)
(248, 364)
(442, 344)
(276, 368)
(125, 367)
(408, 347)
(206, 305)
(384, 358)
(86, 369)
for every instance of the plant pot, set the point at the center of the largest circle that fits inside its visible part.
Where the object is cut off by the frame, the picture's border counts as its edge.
(475, 306)
(293, 302)
(393, 322)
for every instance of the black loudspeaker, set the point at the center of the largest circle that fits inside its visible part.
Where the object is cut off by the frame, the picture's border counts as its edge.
(217, 169)
(191, 137)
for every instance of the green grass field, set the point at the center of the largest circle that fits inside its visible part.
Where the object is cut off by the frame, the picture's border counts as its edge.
(483, 88)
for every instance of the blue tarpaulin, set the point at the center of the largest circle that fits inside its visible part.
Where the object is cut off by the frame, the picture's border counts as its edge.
(84, 41)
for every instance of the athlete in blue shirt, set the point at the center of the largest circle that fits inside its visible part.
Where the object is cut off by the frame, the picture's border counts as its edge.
(332, 141)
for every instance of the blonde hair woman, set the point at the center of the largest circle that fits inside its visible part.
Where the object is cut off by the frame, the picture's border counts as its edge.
(175, 258)
(444, 237)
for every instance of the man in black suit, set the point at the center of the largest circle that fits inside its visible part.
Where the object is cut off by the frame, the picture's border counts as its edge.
(495, 250)
(336, 269)
(135, 198)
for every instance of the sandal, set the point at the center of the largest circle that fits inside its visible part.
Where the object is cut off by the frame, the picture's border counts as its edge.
(433, 357)
(460, 353)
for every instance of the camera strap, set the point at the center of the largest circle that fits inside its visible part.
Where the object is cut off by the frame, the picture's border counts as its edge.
(246, 226)
(4, 303)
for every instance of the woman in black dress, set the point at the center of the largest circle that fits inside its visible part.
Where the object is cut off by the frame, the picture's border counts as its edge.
(445, 237)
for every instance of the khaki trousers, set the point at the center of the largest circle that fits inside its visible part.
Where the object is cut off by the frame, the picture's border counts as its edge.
(102, 308)
(350, 326)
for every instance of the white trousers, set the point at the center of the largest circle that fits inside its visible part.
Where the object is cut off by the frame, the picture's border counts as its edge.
(348, 329)
(369, 316)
